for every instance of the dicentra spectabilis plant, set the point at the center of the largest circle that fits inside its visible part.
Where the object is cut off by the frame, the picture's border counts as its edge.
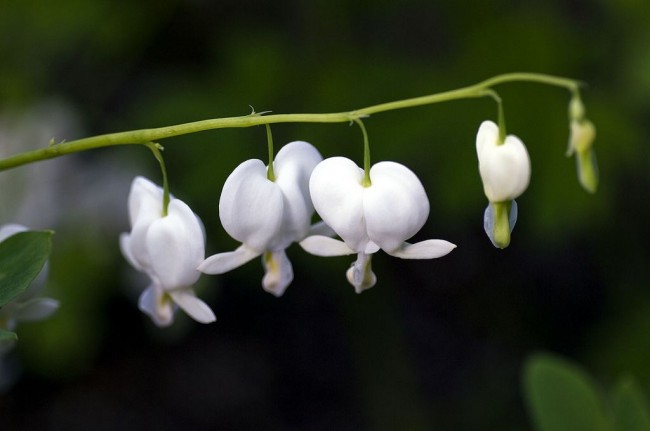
(269, 206)
(504, 166)
(378, 211)
(166, 242)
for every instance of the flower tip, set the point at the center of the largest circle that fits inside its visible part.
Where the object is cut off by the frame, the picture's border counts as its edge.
(157, 306)
(498, 222)
(587, 170)
(360, 274)
(279, 273)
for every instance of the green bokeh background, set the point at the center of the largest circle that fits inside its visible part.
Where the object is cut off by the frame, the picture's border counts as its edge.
(435, 345)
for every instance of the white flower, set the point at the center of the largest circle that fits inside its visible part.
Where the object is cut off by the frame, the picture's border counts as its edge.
(505, 172)
(504, 167)
(382, 215)
(267, 216)
(27, 306)
(168, 249)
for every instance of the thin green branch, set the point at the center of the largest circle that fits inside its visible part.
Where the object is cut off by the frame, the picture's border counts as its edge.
(270, 173)
(156, 149)
(143, 136)
(366, 154)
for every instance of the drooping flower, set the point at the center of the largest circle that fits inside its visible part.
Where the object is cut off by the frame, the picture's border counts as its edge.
(505, 171)
(382, 215)
(27, 306)
(504, 167)
(266, 215)
(168, 248)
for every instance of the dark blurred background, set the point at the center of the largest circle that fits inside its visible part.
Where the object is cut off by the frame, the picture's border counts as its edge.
(435, 344)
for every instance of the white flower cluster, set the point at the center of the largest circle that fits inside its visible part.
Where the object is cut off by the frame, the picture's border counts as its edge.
(369, 211)
(267, 216)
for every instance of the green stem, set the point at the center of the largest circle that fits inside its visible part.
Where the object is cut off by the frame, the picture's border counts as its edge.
(270, 174)
(502, 227)
(502, 123)
(366, 154)
(156, 150)
(500, 115)
(143, 136)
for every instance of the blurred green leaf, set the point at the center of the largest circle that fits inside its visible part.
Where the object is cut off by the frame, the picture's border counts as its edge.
(22, 257)
(561, 396)
(630, 406)
(7, 335)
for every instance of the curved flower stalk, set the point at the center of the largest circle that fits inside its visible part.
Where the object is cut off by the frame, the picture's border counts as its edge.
(168, 249)
(382, 215)
(505, 171)
(266, 215)
(28, 306)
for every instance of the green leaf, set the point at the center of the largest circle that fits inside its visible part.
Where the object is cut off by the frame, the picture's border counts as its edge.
(562, 397)
(22, 257)
(630, 406)
(7, 335)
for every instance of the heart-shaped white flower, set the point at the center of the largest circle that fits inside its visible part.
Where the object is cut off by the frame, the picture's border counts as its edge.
(504, 167)
(267, 216)
(382, 215)
(505, 172)
(168, 249)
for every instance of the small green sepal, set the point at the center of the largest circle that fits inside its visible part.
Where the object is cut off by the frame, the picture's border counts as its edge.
(587, 170)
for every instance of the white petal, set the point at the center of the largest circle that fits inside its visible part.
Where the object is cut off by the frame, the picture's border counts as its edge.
(223, 262)
(145, 207)
(395, 205)
(360, 274)
(194, 307)
(429, 249)
(321, 228)
(36, 309)
(325, 246)
(157, 305)
(279, 272)
(293, 166)
(175, 245)
(504, 169)
(251, 206)
(125, 247)
(337, 194)
(145, 201)
(487, 136)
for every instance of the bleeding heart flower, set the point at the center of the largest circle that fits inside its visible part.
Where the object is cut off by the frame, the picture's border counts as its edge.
(168, 248)
(505, 172)
(382, 215)
(266, 215)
